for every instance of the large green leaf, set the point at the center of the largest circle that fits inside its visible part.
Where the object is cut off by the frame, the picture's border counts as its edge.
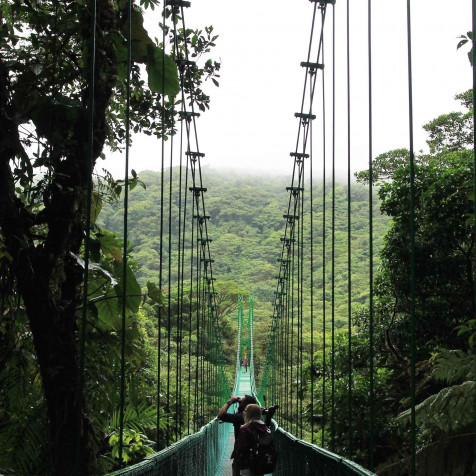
(161, 68)
(110, 245)
(96, 206)
(155, 293)
(454, 366)
(133, 289)
(140, 39)
(109, 312)
(162, 71)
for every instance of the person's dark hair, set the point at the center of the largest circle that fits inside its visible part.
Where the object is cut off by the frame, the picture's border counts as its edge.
(246, 400)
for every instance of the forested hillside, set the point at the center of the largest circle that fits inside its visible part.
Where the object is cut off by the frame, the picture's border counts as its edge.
(246, 225)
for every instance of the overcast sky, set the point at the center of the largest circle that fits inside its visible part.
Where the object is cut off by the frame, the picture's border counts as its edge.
(261, 43)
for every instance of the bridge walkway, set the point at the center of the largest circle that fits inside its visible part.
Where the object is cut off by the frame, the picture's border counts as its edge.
(224, 465)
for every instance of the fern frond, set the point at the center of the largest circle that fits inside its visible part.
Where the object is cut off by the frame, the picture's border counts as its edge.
(454, 366)
(450, 410)
(23, 441)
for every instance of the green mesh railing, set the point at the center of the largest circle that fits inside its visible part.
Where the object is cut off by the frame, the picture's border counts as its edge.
(238, 346)
(196, 454)
(297, 456)
(252, 363)
(301, 458)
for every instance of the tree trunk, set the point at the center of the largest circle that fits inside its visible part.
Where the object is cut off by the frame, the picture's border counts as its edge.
(48, 276)
(55, 338)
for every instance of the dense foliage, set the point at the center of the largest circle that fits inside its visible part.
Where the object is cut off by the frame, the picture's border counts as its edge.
(62, 99)
(444, 316)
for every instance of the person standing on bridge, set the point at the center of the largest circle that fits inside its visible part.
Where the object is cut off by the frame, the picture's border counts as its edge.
(244, 363)
(238, 419)
(254, 450)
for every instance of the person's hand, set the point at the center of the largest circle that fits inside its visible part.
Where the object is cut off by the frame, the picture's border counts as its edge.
(234, 399)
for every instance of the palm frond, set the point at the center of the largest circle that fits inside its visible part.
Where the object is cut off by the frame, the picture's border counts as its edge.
(136, 417)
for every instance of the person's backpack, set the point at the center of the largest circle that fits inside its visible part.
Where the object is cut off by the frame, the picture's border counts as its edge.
(263, 455)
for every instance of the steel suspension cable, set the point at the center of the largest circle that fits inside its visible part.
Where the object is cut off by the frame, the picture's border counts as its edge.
(205, 322)
(473, 62)
(169, 270)
(412, 248)
(371, 265)
(278, 353)
(199, 334)
(311, 243)
(308, 62)
(333, 237)
(181, 256)
(292, 336)
(288, 317)
(82, 341)
(288, 389)
(161, 239)
(274, 363)
(209, 354)
(301, 309)
(202, 347)
(177, 57)
(125, 237)
(190, 313)
(203, 230)
(324, 231)
(349, 241)
(279, 375)
(180, 284)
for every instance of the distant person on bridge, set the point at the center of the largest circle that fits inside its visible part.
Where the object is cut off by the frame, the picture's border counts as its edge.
(244, 363)
(238, 418)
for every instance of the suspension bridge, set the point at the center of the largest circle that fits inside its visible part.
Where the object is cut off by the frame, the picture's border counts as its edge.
(209, 450)
(192, 381)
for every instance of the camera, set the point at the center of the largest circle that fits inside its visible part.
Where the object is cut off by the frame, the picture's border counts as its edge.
(269, 411)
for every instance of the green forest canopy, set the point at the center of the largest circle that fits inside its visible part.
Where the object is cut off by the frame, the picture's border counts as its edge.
(246, 226)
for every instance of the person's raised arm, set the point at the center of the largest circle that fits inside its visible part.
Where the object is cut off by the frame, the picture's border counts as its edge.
(227, 405)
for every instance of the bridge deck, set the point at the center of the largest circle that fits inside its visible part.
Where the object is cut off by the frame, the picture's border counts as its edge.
(224, 465)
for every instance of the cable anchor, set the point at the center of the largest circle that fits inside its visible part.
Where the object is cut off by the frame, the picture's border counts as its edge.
(295, 190)
(197, 190)
(202, 218)
(312, 66)
(187, 115)
(305, 118)
(183, 63)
